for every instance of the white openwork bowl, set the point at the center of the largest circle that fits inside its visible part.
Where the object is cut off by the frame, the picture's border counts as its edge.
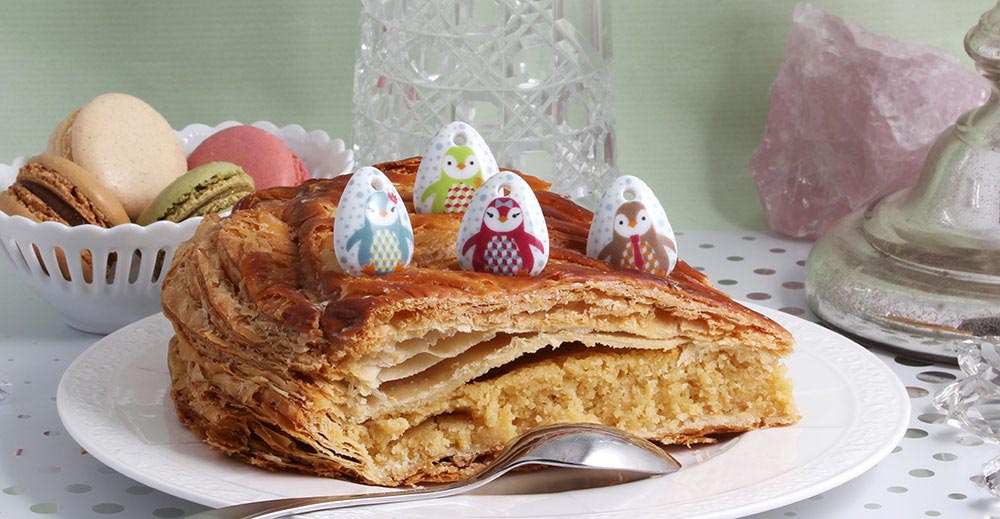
(102, 279)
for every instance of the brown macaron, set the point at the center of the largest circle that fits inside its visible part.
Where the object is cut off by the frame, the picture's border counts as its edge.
(53, 189)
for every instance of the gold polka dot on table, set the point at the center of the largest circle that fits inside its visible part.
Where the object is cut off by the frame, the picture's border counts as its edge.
(931, 418)
(758, 296)
(916, 392)
(945, 456)
(78, 488)
(915, 433)
(935, 377)
(957, 496)
(44, 508)
(15, 490)
(168, 513)
(908, 361)
(139, 490)
(873, 506)
(921, 473)
(764, 272)
(897, 490)
(108, 508)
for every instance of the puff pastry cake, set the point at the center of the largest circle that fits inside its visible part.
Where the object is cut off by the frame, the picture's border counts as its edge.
(421, 375)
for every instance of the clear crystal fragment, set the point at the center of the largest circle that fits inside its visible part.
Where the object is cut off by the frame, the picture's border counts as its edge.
(5, 390)
(991, 475)
(978, 356)
(972, 403)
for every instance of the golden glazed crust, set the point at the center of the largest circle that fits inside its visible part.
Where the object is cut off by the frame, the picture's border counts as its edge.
(422, 375)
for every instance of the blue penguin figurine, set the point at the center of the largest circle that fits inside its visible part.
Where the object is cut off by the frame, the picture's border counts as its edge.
(384, 239)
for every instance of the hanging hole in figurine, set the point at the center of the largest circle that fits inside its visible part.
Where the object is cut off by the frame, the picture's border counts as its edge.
(503, 190)
(628, 195)
(377, 184)
(460, 139)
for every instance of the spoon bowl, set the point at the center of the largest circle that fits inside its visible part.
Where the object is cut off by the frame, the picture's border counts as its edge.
(580, 446)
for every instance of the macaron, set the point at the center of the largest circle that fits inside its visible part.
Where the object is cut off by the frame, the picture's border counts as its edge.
(125, 144)
(53, 189)
(262, 155)
(209, 188)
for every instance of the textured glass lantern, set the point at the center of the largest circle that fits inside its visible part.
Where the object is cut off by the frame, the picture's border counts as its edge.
(533, 77)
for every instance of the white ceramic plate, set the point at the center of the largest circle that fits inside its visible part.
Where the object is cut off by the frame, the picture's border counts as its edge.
(114, 401)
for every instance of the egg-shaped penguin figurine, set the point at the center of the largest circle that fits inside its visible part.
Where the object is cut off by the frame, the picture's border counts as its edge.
(372, 233)
(503, 231)
(630, 229)
(457, 162)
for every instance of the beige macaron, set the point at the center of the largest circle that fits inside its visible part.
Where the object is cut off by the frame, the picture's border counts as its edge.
(125, 144)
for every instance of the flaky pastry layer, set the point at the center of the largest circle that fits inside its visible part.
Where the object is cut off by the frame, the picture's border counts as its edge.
(421, 375)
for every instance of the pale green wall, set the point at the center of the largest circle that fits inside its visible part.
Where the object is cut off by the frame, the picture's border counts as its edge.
(691, 75)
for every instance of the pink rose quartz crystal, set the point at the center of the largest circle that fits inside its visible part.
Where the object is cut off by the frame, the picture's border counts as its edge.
(852, 117)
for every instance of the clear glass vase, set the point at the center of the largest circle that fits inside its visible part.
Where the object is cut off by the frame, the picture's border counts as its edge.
(534, 77)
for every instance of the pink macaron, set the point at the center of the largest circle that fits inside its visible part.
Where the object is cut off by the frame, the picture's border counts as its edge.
(262, 155)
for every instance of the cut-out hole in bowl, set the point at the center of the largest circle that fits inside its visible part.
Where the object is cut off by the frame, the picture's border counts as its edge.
(109, 272)
(628, 195)
(59, 256)
(133, 271)
(161, 256)
(378, 184)
(12, 246)
(87, 263)
(503, 190)
(460, 139)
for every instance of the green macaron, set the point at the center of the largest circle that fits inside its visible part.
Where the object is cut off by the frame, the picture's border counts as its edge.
(207, 189)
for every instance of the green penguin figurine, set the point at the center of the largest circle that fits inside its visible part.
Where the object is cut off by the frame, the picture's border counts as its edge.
(461, 176)
(456, 164)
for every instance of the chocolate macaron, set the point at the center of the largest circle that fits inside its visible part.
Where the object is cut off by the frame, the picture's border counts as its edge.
(53, 189)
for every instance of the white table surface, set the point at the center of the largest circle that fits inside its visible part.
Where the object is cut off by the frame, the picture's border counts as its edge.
(43, 472)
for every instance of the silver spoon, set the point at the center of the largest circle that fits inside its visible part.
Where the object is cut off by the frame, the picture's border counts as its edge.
(585, 446)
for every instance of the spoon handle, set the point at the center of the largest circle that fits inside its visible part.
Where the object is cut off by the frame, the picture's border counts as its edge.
(296, 505)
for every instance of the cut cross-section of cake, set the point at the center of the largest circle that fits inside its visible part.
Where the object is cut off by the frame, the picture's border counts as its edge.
(284, 361)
